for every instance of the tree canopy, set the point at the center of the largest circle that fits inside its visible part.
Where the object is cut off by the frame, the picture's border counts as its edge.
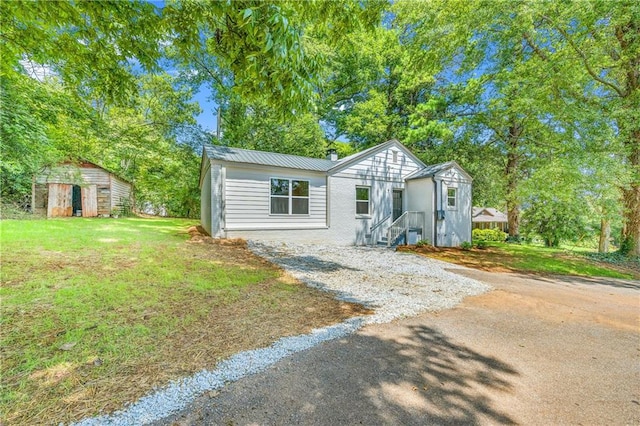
(538, 100)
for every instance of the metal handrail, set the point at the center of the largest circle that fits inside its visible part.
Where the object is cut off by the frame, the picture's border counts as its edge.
(377, 225)
(406, 221)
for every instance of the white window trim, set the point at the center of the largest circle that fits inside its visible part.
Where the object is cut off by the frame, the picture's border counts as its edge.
(368, 214)
(455, 198)
(290, 197)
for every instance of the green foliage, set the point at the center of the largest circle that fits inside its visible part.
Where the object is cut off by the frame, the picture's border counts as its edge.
(481, 244)
(554, 220)
(423, 243)
(466, 245)
(488, 235)
(257, 126)
(88, 44)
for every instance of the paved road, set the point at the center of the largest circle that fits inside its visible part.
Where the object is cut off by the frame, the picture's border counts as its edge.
(535, 351)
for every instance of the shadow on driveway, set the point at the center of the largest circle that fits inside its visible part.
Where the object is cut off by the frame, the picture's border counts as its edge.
(410, 375)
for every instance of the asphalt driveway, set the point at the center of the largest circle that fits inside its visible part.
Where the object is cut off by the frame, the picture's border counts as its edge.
(534, 351)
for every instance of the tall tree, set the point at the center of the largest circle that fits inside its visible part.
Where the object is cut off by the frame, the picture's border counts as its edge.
(599, 41)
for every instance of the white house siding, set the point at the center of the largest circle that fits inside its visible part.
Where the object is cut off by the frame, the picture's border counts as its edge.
(205, 201)
(381, 167)
(382, 175)
(216, 173)
(420, 198)
(456, 226)
(247, 200)
(349, 228)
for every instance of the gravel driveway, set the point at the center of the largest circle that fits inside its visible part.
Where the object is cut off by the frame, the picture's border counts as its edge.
(535, 351)
(394, 284)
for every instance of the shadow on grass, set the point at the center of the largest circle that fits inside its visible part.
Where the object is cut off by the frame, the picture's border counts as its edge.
(420, 377)
(572, 279)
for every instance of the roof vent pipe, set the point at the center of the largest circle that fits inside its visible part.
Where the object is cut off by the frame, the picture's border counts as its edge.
(332, 155)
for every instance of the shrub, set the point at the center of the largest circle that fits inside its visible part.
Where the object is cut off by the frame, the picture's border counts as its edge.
(488, 235)
(481, 244)
(514, 239)
(423, 243)
(466, 245)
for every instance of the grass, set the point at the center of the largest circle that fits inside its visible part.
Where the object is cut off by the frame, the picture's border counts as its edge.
(504, 257)
(137, 302)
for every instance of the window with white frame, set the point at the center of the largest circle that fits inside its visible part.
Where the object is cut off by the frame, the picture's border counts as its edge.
(451, 198)
(362, 200)
(289, 196)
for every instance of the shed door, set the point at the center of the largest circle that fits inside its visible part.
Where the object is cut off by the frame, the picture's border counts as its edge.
(60, 198)
(89, 201)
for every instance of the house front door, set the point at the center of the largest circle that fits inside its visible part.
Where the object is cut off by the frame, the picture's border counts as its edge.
(397, 203)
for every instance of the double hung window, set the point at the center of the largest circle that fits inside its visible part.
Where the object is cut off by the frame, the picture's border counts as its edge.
(362, 200)
(289, 196)
(451, 198)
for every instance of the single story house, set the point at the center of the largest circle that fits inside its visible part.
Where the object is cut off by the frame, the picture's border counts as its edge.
(489, 218)
(383, 194)
(79, 189)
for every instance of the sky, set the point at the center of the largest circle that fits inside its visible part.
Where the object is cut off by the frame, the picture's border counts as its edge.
(207, 118)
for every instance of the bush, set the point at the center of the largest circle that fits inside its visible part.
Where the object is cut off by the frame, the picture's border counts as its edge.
(515, 239)
(466, 245)
(481, 245)
(488, 235)
(423, 243)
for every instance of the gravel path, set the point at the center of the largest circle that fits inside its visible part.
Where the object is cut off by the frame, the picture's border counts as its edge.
(394, 284)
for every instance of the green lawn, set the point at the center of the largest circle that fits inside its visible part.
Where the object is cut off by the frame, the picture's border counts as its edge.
(531, 258)
(137, 304)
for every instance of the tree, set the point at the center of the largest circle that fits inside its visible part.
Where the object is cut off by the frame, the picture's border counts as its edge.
(91, 46)
(256, 126)
(600, 42)
(477, 52)
(556, 207)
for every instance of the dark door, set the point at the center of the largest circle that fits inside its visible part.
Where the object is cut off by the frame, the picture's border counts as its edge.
(76, 200)
(397, 203)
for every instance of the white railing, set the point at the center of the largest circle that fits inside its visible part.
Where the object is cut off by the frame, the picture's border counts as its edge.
(402, 224)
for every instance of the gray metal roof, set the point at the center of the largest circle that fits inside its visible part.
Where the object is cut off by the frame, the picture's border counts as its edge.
(432, 170)
(239, 155)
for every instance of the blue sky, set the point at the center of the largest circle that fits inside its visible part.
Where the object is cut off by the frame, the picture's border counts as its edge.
(207, 118)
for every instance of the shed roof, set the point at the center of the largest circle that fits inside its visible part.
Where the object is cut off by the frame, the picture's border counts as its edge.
(488, 214)
(82, 164)
(239, 155)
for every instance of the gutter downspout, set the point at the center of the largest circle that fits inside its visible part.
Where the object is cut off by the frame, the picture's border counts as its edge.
(435, 213)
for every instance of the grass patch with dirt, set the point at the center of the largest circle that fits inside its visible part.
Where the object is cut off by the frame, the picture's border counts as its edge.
(97, 312)
(505, 257)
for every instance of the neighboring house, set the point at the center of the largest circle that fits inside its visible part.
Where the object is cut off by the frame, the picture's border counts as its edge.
(489, 218)
(82, 189)
(384, 193)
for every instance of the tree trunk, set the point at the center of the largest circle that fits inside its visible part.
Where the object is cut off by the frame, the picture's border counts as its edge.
(512, 172)
(629, 36)
(630, 244)
(605, 235)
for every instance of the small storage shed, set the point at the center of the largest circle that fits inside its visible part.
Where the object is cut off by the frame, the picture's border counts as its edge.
(79, 189)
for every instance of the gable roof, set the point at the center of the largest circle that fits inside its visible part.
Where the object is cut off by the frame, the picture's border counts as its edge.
(249, 156)
(239, 155)
(354, 158)
(82, 163)
(434, 169)
(488, 214)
